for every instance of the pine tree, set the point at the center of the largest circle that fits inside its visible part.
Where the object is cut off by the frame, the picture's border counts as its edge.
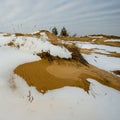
(54, 31)
(64, 32)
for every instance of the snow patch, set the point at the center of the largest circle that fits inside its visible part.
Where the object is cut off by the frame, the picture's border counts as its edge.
(36, 45)
(95, 36)
(112, 40)
(103, 62)
(105, 48)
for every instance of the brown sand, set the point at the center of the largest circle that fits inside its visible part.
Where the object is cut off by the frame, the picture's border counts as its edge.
(38, 74)
(45, 75)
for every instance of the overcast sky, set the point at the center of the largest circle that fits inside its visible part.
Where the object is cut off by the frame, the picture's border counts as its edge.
(78, 16)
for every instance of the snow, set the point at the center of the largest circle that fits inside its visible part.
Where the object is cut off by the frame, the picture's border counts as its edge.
(103, 62)
(11, 58)
(107, 105)
(95, 36)
(112, 40)
(5, 40)
(104, 48)
(67, 103)
(97, 48)
(74, 42)
(36, 45)
(93, 40)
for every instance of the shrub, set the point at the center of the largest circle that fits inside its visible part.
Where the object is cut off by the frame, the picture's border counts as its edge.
(76, 55)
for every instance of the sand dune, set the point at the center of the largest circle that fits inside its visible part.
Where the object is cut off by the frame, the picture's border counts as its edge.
(46, 75)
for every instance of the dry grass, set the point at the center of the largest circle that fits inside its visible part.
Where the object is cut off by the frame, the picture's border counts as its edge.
(7, 35)
(115, 44)
(76, 55)
(19, 34)
(11, 44)
(12, 83)
(117, 72)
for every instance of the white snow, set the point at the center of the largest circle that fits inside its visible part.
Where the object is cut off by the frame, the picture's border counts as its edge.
(112, 40)
(93, 40)
(11, 58)
(103, 62)
(95, 36)
(74, 42)
(104, 48)
(5, 40)
(106, 105)
(97, 48)
(36, 45)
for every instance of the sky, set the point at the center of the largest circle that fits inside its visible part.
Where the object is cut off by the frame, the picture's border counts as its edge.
(82, 17)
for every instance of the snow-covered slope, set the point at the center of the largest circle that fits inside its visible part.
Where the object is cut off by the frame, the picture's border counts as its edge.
(22, 102)
(35, 45)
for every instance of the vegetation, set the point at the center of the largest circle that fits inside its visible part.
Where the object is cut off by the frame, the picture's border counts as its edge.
(64, 32)
(76, 56)
(54, 31)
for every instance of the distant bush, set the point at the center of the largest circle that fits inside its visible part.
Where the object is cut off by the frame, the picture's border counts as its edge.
(117, 72)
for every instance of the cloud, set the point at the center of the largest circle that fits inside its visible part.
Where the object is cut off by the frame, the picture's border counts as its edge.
(79, 16)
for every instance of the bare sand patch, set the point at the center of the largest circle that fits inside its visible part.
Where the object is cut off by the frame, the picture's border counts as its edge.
(38, 74)
(46, 75)
(64, 71)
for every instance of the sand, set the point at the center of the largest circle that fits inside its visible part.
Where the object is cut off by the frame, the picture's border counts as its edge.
(46, 75)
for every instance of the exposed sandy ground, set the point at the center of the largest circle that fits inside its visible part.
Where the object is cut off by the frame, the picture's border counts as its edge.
(46, 75)
(40, 74)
